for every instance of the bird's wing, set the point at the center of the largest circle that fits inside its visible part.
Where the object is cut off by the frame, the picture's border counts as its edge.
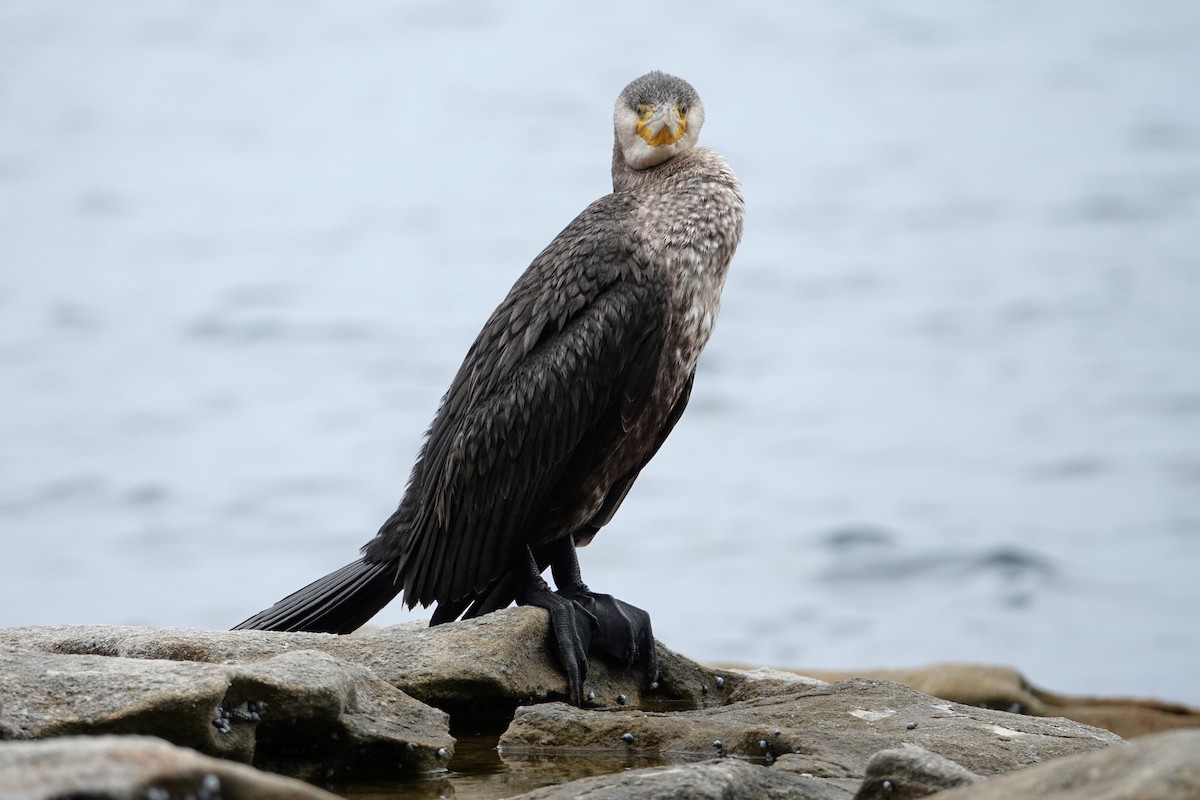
(558, 374)
(620, 489)
(503, 591)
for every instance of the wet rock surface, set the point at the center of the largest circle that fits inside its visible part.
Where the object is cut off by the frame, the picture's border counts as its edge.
(829, 732)
(1164, 766)
(723, 779)
(379, 708)
(301, 712)
(133, 768)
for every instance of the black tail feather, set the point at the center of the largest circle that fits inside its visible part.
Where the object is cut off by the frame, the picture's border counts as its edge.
(340, 602)
(500, 593)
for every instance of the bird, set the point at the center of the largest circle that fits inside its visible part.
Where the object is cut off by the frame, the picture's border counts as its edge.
(571, 387)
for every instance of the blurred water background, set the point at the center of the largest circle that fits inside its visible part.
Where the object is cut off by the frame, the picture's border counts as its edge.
(951, 410)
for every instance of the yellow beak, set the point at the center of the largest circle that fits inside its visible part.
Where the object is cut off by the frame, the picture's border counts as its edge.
(660, 125)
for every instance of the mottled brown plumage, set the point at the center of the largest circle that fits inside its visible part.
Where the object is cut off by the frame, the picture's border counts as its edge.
(568, 391)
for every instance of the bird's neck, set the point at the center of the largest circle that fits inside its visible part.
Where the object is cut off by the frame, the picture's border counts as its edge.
(626, 178)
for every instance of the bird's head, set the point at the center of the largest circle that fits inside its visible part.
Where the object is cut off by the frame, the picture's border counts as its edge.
(657, 117)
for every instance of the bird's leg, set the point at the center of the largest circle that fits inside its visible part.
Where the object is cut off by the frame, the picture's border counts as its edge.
(572, 625)
(622, 631)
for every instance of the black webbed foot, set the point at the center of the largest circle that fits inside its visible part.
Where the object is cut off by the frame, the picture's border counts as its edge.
(622, 631)
(572, 626)
(581, 620)
(573, 629)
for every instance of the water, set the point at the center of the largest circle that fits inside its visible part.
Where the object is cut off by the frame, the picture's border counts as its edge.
(951, 410)
(479, 772)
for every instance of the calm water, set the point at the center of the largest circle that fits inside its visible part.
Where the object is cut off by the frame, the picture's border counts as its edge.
(951, 410)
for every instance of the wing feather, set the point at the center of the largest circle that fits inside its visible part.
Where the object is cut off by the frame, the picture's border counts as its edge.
(512, 451)
(560, 370)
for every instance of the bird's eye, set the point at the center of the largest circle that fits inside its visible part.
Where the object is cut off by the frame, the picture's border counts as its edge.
(683, 109)
(644, 111)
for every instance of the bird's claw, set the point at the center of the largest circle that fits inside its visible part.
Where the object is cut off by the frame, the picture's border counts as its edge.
(573, 627)
(620, 630)
(587, 622)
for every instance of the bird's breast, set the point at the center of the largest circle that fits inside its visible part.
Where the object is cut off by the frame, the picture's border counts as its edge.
(690, 234)
(686, 230)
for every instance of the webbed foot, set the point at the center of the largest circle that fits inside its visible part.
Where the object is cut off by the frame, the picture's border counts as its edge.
(573, 633)
(584, 621)
(622, 631)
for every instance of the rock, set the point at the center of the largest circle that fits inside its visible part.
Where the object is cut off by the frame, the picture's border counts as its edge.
(133, 768)
(1164, 766)
(1127, 717)
(301, 712)
(318, 705)
(724, 779)
(905, 773)
(512, 661)
(829, 732)
(747, 684)
(1007, 689)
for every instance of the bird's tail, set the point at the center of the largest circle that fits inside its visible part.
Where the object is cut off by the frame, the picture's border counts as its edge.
(341, 602)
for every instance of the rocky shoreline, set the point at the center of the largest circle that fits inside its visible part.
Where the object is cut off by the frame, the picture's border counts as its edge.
(115, 712)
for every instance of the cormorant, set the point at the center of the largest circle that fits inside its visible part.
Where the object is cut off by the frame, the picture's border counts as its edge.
(571, 387)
